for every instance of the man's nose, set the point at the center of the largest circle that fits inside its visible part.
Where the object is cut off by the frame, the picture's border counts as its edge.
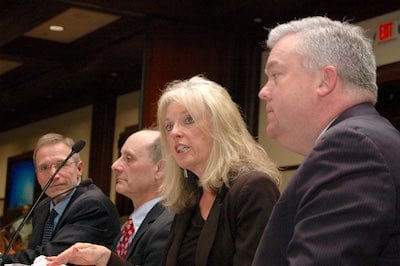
(265, 93)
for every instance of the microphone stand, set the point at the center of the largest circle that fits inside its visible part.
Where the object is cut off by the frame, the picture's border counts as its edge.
(28, 215)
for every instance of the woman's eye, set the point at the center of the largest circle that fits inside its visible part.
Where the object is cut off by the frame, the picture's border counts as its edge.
(189, 120)
(168, 127)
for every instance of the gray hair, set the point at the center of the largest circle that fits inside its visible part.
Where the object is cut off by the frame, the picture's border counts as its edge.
(53, 138)
(327, 42)
(155, 150)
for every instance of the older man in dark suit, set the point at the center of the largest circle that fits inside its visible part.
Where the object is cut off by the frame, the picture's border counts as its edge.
(82, 214)
(139, 173)
(342, 206)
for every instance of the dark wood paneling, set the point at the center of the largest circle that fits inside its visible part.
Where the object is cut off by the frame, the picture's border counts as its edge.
(102, 136)
(388, 73)
(389, 93)
(176, 51)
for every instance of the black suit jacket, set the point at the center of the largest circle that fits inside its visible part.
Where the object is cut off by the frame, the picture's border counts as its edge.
(90, 216)
(234, 226)
(148, 244)
(342, 207)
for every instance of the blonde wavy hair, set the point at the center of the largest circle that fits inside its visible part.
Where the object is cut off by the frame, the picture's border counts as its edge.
(234, 150)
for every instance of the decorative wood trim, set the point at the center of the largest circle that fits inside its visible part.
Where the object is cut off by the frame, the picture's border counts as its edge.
(289, 167)
(389, 72)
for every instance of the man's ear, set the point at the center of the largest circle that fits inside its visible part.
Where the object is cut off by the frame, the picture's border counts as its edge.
(79, 166)
(160, 170)
(328, 81)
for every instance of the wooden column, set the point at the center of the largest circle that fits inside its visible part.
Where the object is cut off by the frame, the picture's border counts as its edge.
(102, 136)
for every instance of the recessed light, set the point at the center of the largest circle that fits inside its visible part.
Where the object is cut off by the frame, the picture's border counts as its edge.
(257, 20)
(75, 22)
(56, 28)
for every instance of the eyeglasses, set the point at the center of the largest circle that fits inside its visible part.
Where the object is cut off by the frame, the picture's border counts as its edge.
(46, 168)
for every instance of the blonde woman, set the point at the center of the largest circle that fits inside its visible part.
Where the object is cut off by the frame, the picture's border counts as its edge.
(220, 183)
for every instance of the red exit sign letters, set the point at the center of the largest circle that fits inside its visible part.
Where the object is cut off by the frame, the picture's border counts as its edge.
(387, 31)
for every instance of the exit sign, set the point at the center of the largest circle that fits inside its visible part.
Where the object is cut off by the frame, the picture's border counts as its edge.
(387, 31)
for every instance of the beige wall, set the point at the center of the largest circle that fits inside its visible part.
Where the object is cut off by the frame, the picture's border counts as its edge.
(75, 124)
(386, 52)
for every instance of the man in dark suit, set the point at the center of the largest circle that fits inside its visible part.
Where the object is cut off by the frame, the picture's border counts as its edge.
(83, 213)
(342, 206)
(139, 172)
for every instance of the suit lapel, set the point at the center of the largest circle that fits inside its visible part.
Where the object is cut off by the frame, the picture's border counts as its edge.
(40, 216)
(153, 214)
(74, 196)
(39, 220)
(209, 231)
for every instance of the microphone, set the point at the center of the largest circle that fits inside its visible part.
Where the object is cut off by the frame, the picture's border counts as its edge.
(83, 183)
(77, 147)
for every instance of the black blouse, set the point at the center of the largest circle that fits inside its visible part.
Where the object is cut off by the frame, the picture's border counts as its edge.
(187, 250)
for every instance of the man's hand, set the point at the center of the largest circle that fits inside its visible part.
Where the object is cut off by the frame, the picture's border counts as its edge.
(82, 254)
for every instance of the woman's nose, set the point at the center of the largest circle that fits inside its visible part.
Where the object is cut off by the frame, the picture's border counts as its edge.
(176, 131)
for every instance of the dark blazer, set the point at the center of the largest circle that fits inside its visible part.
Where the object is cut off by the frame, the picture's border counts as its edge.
(90, 216)
(343, 205)
(147, 246)
(234, 226)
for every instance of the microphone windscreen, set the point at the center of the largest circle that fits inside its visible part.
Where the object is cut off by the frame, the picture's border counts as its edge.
(78, 146)
(86, 182)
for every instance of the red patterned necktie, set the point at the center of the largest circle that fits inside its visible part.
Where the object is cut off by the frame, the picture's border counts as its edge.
(126, 233)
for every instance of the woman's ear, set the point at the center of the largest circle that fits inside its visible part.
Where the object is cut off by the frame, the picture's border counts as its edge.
(328, 81)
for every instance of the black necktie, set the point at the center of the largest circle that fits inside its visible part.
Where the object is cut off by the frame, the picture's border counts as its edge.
(49, 227)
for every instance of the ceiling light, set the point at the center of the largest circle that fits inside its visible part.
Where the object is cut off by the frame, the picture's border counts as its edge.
(257, 20)
(76, 22)
(56, 28)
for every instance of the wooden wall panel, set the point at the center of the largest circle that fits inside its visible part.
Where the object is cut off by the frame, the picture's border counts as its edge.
(174, 51)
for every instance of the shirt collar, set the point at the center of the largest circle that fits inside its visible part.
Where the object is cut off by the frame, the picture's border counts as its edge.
(325, 129)
(140, 213)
